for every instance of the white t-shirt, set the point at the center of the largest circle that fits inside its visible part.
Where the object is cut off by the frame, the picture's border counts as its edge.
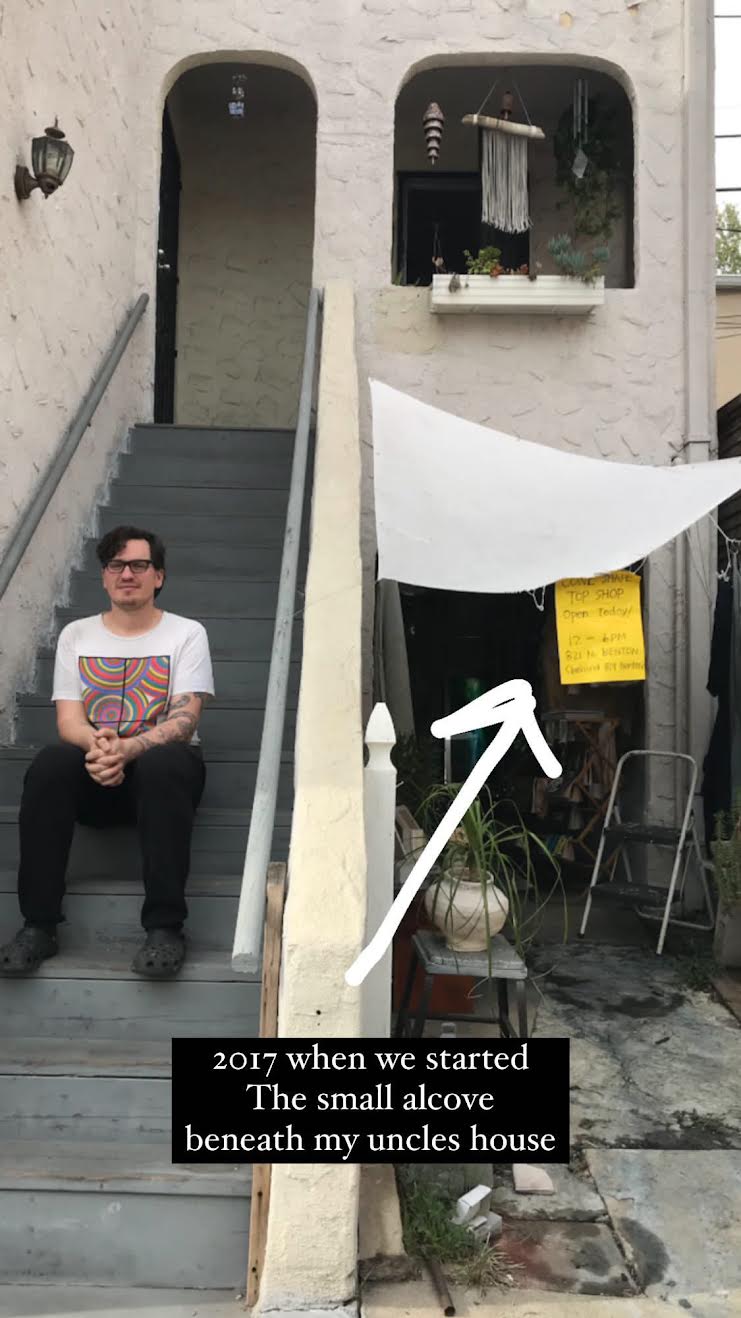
(129, 681)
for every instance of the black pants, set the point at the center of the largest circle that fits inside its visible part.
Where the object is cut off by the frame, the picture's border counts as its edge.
(160, 795)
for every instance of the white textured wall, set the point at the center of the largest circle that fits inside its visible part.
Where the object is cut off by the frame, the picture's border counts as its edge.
(68, 282)
(246, 237)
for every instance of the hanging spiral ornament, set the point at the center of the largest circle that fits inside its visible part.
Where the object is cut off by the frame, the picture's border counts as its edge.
(433, 120)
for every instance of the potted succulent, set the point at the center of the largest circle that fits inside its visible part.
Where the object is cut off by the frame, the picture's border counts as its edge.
(726, 849)
(489, 874)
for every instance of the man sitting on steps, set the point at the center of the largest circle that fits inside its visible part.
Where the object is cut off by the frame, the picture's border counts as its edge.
(129, 686)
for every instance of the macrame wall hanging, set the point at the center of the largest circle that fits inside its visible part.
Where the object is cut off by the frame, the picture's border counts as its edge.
(504, 197)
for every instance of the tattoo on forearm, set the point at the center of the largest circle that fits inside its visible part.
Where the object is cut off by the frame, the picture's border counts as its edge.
(179, 724)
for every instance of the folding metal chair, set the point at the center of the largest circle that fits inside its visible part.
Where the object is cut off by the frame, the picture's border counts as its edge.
(669, 905)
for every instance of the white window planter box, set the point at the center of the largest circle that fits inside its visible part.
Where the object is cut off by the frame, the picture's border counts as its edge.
(548, 295)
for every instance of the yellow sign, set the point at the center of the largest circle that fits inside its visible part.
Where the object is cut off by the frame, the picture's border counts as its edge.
(600, 629)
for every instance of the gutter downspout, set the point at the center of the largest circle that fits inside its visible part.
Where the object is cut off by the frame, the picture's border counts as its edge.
(692, 608)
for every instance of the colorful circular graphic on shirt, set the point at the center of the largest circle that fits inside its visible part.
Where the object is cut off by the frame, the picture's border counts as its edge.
(130, 693)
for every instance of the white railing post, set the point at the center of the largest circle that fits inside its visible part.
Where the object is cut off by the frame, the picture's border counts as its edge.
(379, 793)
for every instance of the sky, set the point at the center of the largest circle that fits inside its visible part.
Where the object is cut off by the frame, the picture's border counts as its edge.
(728, 100)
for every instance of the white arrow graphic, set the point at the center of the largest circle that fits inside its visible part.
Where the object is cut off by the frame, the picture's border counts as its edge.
(512, 704)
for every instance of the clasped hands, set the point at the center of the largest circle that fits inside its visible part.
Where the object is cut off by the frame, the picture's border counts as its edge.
(107, 757)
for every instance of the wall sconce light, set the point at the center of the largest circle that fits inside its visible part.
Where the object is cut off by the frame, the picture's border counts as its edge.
(51, 159)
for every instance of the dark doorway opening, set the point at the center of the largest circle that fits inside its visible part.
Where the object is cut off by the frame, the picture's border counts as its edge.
(165, 353)
(440, 214)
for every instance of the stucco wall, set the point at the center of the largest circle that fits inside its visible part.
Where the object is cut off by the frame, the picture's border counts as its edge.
(727, 344)
(68, 283)
(246, 236)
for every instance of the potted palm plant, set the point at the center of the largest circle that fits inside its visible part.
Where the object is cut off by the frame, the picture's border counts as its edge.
(491, 874)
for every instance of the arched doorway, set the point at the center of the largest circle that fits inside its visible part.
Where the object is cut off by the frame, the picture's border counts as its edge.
(235, 245)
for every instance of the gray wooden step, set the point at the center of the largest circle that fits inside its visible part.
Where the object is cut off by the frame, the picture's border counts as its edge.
(218, 844)
(104, 910)
(181, 528)
(234, 679)
(140, 468)
(85, 993)
(75, 1108)
(86, 1057)
(34, 1301)
(190, 596)
(250, 561)
(93, 1213)
(149, 500)
(194, 441)
(104, 919)
(247, 634)
(230, 777)
(236, 725)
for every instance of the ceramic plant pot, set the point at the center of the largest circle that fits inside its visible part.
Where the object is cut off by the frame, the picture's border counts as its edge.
(456, 907)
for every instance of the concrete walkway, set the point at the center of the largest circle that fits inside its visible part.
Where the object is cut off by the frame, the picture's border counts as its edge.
(419, 1300)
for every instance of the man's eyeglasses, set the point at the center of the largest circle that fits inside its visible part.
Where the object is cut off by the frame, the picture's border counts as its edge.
(136, 565)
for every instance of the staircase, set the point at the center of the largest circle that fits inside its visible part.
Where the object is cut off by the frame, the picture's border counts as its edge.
(88, 1193)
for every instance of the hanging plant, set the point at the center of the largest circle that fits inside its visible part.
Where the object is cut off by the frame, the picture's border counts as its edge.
(593, 195)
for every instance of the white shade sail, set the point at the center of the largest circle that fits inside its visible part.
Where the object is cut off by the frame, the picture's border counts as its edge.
(463, 507)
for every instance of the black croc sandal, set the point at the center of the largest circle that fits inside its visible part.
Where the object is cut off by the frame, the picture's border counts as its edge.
(24, 954)
(161, 955)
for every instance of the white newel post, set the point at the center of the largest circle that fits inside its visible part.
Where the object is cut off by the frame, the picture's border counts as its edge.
(380, 812)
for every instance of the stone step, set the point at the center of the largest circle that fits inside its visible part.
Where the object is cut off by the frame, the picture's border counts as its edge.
(244, 635)
(218, 844)
(252, 562)
(234, 679)
(230, 779)
(94, 1214)
(191, 596)
(236, 725)
(138, 468)
(216, 444)
(92, 993)
(149, 500)
(178, 529)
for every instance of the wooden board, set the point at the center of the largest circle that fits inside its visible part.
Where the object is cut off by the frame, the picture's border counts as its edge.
(275, 901)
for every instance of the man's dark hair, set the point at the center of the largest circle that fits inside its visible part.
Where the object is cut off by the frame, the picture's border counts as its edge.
(114, 541)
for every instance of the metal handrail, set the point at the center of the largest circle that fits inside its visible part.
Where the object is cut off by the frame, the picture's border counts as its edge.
(41, 498)
(251, 914)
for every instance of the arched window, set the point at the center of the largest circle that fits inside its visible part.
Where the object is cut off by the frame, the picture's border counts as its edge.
(579, 173)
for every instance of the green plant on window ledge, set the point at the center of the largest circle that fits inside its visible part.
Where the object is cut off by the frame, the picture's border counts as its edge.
(576, 263)
(488, 262)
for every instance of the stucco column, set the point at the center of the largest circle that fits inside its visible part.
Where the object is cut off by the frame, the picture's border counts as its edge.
(312, 1244)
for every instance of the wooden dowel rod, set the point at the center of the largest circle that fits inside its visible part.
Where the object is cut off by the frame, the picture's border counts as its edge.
(503, 125)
